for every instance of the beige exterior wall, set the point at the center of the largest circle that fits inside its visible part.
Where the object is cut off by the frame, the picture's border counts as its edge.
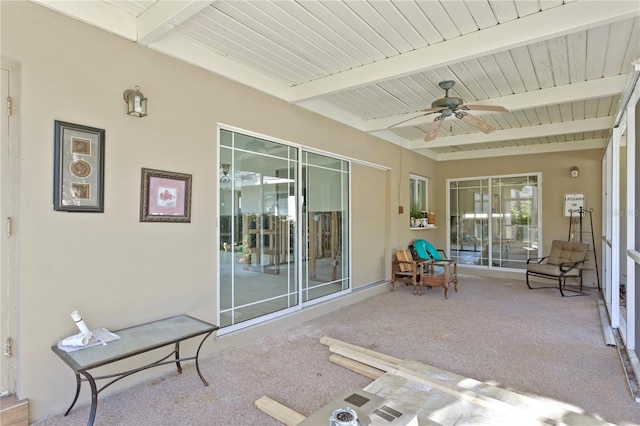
(114, 269)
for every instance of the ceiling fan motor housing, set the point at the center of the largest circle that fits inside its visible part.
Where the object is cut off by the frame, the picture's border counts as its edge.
(449, 102)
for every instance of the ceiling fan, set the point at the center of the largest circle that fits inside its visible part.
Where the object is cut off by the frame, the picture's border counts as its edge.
(451, 105)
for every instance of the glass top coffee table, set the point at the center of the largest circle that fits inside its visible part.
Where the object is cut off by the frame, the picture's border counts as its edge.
(134, 341)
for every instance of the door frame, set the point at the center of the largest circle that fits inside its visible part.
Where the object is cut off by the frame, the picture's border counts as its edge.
(8, 203)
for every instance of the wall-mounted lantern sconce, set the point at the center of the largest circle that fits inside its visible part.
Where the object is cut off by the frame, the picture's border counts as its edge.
(575, 172)
(225, 173)
(136, 102)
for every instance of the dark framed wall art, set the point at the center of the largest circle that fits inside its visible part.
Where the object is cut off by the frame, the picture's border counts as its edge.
(78, 169)
(165, 196)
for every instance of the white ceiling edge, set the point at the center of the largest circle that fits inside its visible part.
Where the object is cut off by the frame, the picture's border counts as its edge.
(389, 136)
(98, 14)
(329, 111)
(185, 50)
(520, 150)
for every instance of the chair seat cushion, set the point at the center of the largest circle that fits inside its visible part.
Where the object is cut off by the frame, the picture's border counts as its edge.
(567, 251)
(551, 270)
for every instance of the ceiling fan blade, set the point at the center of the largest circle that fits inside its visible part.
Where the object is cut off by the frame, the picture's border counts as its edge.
(433, 109)
(434, 128)
(495, 108)
(476, 122)
(426, 112)
(408, 119)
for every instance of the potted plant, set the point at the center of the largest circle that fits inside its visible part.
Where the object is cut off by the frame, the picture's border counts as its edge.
(415, 214)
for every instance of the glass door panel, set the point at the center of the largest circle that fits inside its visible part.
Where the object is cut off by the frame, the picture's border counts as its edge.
(469, 210)
(325, 211)
(513, 228)
(258, 274)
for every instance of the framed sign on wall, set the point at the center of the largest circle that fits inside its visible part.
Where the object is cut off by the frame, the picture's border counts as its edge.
(573, 202)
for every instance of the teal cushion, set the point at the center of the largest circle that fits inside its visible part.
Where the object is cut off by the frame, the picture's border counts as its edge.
(424, 250)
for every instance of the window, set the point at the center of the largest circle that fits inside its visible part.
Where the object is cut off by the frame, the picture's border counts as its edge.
(494, 220)
(418, 200)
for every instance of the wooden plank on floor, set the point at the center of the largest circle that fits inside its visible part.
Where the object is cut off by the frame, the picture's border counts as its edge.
(358, 367)
(328, 341)
(14, 412)
(279, 412)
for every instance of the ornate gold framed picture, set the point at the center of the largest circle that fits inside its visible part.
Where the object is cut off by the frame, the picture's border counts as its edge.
(165, 196)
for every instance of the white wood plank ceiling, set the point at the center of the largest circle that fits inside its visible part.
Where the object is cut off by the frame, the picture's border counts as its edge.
(559, 66)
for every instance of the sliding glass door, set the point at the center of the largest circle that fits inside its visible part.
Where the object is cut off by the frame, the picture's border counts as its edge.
(269, 203)
(494, 220)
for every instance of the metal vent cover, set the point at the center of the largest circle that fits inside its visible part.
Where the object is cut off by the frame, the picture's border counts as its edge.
(371, 410)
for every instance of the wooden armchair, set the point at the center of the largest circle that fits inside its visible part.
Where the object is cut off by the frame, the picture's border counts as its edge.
(405, 269)
(438, 271)
(565, 260)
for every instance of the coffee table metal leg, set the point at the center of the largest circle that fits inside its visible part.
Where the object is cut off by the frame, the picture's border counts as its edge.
(94, 398)
(177, 352)
(198, 358)
(75, 399)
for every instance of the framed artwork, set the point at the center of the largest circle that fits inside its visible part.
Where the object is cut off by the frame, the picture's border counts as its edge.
(78, 169)
(165, 196)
